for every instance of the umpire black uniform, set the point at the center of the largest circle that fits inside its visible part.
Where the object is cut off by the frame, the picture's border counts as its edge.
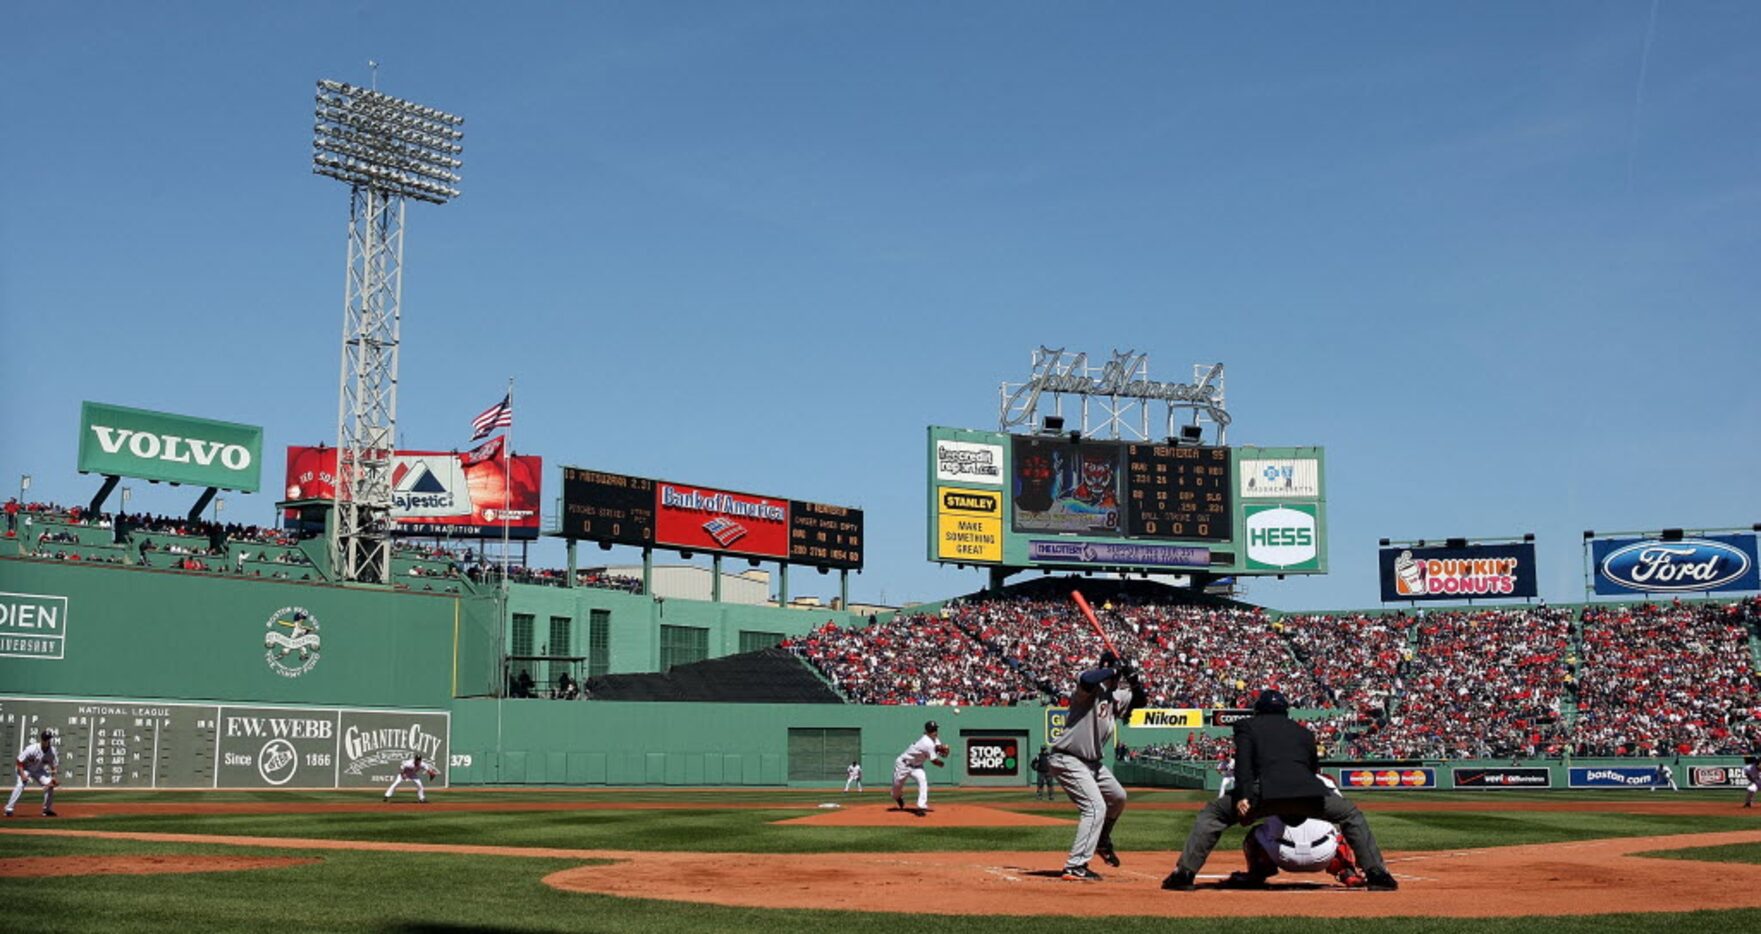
(1275, 767)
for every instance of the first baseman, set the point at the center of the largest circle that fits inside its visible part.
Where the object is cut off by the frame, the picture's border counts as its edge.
(1076, 761)
(36, 765)
(928, 748)
(412, 771)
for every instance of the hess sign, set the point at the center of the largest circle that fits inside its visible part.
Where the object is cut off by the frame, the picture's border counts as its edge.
(993, 756)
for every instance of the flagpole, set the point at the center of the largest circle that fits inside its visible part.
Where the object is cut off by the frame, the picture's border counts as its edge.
(507, 486)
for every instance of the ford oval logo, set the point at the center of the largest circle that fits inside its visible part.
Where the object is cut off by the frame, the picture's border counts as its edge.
(1687, 566)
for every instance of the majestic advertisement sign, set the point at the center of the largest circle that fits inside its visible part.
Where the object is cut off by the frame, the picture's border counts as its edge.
(1502, 777)
(1476, 572)
(999, 755)
(435, 493)
(1118, 553)
(1616, 776)
(109, 743)
(1370, 779)
(1280, 478)
(966, 462)
(33, 626)
(1708, 564)
(624, 510)
(120, 441)
(1283, 538)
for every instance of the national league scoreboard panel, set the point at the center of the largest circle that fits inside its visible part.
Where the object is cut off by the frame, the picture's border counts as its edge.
(1053, 501)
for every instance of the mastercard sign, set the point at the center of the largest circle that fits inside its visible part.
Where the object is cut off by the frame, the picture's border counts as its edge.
(1388, 778)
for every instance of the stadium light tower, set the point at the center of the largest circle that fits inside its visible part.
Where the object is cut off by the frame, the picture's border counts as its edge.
(386, 150)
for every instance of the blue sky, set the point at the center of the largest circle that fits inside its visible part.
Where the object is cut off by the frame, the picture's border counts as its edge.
(1500, 259)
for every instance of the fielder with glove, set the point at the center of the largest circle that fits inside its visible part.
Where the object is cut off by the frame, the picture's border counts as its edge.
(412, 771)
(928, 748)
(36, 766)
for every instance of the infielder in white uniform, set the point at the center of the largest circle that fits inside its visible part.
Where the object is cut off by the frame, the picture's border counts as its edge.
(854, 776)
(1752, 772)
(1226, 768)
(928, 748)
(412, 771)
(36, 765)
(1665, 776)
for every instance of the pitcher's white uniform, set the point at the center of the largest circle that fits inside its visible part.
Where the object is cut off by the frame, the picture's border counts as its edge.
(413, 770)
(910, 765)
(854, 776)
(1226, 769)
(36, 765)
(1752, 772)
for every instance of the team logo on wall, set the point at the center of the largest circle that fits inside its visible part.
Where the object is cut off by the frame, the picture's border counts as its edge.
(291, 642)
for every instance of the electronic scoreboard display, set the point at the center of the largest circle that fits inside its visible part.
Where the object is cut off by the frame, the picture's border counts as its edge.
(623, 510)
(1117, 489)
(607, 507)
(1178, 493)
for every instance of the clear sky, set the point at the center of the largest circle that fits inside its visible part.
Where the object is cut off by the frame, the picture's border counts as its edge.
(1499, 258)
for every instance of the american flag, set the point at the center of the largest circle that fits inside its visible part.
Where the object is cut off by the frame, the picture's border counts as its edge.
(499, 415)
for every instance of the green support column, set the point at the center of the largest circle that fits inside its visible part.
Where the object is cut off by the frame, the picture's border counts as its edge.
(844, 590)
(715, 580)
(648, 571)
(782, 585)
(572, 544)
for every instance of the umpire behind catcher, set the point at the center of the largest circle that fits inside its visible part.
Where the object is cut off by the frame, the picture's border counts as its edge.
(1275, 766)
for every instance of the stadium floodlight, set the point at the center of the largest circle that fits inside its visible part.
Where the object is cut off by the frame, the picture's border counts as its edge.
(386, 150)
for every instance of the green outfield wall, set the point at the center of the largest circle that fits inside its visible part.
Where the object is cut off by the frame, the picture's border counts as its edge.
(95, 631)
(536, 742)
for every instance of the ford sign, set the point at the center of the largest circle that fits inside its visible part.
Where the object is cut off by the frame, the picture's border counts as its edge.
(1692, 565)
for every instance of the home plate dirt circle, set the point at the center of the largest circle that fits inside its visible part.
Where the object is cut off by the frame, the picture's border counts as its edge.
(1594, 876)
(37, 867)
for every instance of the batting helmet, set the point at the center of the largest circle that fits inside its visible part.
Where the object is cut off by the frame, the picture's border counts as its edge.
(1108, 659)
(930, 726)
(1272, 700)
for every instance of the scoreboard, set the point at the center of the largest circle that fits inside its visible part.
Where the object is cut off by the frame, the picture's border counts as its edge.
(619, 509)
(1179, 493)
(1067, 502)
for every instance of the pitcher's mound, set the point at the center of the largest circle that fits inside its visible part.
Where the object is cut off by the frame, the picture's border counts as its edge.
(941, 815)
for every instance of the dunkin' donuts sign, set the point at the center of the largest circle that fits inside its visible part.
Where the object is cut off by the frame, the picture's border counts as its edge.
(1474, 572)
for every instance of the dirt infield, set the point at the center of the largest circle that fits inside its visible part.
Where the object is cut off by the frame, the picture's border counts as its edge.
(946, 815)
(1547, 879)
(37, 867)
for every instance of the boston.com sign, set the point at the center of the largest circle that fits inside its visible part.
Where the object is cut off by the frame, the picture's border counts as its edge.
(117, 440)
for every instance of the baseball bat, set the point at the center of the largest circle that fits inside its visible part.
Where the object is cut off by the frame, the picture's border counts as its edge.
(1089, 612)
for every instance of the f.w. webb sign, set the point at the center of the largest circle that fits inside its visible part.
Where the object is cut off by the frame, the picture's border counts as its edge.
(125, 442)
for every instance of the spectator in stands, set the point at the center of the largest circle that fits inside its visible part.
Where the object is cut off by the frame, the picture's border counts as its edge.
(12, 514)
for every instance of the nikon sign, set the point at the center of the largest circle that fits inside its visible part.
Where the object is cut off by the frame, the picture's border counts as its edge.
(124, 442)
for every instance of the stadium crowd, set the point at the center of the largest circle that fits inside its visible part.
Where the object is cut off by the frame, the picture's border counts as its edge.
(911, 660)
(1663, 679)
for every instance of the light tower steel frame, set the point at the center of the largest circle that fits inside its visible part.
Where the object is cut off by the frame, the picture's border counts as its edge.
(366, 418)
(387, 150)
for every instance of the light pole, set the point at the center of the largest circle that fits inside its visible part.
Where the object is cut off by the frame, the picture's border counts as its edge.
(219, 507)
(127, 494)
(386, 150)
(24, 483)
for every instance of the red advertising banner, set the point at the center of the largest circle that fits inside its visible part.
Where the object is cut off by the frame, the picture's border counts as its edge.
(694, 518)
(439, 492)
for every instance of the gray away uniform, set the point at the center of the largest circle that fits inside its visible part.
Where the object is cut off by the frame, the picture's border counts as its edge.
(1076, 763)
